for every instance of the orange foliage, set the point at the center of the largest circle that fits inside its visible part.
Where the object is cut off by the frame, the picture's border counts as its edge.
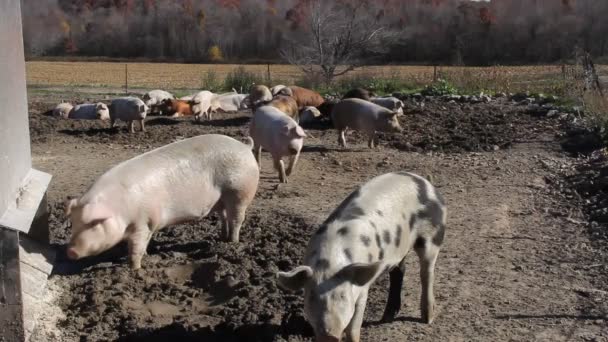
(486, 16)
(234, 4)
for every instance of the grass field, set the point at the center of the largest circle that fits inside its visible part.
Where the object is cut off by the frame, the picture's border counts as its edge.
(546, 78)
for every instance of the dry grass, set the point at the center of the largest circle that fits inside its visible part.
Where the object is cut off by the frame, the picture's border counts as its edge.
(190, 76)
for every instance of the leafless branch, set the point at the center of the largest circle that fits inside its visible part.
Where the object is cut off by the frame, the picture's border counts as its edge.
(337, 39)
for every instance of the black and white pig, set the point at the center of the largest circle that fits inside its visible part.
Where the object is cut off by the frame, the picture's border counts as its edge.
(371, 231)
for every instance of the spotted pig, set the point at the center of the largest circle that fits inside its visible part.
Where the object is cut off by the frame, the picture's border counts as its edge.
(370, 232)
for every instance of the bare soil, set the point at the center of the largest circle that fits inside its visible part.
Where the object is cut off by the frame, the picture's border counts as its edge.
(518, 261)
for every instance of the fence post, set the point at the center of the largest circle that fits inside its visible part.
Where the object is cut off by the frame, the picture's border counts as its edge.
(564, 71)
(268, 74)
(126, 79)
(434, 73)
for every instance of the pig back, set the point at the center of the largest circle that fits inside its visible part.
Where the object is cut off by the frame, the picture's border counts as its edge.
(266, 128)
(127, 108)
(84, 111)
(356, 114)
(188, 176)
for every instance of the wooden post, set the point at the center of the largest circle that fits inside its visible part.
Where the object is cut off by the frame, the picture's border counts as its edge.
(434, 73)
(11, 302)
(126, 79)
(564, 71)
(268, 75)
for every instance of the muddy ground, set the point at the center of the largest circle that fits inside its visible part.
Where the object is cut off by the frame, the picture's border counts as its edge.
(519, 262)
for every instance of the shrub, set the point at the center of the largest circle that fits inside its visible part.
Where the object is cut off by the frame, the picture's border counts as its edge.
(596, 109)
(241, 79)
(210, 81)
(439, 88)
(380, 85)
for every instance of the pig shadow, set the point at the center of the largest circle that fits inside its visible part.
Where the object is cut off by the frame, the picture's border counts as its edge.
(315, 148)
(162, 121)
(233, 122)
(90, 131)
(196, 249)
(224, 332)
(397, 319)
(65, 266)
(318, 125)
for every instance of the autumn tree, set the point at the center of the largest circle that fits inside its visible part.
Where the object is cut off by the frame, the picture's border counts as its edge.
(335, 39)
(215, 54)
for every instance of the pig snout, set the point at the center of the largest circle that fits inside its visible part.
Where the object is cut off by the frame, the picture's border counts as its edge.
(72, 253)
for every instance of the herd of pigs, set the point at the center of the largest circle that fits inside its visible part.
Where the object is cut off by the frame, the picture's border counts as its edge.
(370, 232)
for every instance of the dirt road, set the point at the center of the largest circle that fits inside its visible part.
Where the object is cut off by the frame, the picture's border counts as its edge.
(517, 263)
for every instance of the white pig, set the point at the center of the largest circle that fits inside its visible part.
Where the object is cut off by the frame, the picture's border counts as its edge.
(278, 134)
(154, 98)
(389, 102)
(363, 116)
(201, 105)
(229, 103)
(175, 183)
(90, 111)
(276, 89)
(371, 231)
(187, 97)
(128, 109)
(62, 110)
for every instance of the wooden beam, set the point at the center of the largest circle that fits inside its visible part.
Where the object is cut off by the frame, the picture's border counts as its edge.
(11, 301)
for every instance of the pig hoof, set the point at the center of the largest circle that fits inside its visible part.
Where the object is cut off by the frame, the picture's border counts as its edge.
(427, 319)
(135, 264)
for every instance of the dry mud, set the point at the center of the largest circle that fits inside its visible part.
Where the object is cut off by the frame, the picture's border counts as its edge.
(517, 263)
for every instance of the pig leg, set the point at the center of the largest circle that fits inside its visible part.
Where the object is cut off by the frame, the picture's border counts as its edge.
(112, 123)
(293, 159)
(221, 209)
(131, 126)
(225, 227)
(141, 125)
(280, 166)
(371, 140)
(257, 152)
(148, 242)
(342, 138)
(138, 242)
(393, 304)
(235, 215)
(427, 255)
(353, 331)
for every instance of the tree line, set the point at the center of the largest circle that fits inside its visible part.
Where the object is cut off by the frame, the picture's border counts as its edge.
(458, 32)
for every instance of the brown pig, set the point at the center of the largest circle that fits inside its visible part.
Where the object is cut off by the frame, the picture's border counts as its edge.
(176, 108)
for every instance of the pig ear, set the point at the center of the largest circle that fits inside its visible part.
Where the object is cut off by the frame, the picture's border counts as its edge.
(94, 213)
(360, 274)
(295, 279)
(69, 204)
(299, 131)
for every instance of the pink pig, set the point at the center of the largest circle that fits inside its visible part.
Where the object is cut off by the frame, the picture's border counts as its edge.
(278, 134)
(175, 183)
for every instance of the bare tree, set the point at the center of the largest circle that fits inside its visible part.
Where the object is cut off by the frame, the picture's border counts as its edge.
(338, 35)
